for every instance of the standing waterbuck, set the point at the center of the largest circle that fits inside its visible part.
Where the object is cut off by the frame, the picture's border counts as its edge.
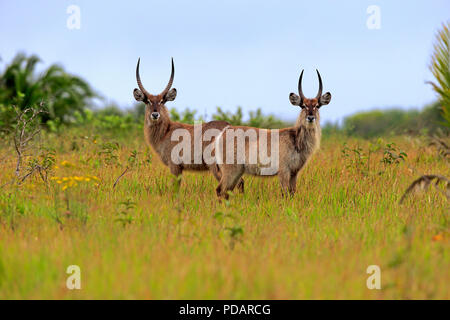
(289, 149)
(163, 135)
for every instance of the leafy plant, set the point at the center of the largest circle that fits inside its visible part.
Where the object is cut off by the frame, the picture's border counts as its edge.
(109, 152)
(236, 233)
(393, 155)
(440, 67)
(124, 214)
(355, 157)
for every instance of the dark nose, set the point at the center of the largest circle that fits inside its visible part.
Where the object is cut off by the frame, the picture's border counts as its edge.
(310, 118)
(155, 115)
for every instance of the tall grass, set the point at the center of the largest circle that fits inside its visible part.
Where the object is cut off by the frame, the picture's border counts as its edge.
(148, 238)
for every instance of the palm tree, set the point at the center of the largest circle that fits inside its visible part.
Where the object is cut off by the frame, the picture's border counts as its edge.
(440, 67)
(61, 93)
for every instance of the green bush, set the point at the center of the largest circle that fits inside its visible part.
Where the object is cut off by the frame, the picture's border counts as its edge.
(61, 93)
(256, 119)
(394, 121)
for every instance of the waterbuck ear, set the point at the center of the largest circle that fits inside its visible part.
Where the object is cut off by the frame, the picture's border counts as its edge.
(138, 95)
(325, 99)
(294, 99)
(171, 95)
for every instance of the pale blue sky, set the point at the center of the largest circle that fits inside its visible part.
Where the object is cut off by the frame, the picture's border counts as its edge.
(232, 53)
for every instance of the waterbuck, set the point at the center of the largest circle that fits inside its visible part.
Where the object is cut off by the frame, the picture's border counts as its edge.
(289, 149)
(161, 133)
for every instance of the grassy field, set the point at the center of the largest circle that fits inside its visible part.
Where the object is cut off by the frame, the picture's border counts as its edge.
(149, 239)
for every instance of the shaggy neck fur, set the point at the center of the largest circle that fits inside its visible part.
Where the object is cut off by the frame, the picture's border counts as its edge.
(308, 135)
(155, 131)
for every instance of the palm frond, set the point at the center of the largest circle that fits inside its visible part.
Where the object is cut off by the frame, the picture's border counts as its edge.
(440, 68)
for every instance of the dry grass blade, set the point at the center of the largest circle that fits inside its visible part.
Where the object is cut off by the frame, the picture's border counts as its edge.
(441, 146)
(422, 184)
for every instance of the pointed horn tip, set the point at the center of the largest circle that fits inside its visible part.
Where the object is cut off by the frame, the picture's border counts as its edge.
(300, 90)
(319, 93)
(138, 63)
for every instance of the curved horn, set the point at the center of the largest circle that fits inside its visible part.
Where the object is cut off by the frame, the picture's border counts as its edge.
(300, 91)
(319, 94)
(169, 85)
(138, 79)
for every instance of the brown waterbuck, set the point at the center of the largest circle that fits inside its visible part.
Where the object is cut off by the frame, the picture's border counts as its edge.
(160, 131)
(289, 148)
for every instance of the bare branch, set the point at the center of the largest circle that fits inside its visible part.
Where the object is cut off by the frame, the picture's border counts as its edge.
(117, 180)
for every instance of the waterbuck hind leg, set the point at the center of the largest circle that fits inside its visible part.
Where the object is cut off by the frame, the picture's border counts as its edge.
(240, 185)
(216, 172)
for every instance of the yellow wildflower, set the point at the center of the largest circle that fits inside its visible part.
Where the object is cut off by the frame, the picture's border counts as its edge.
(66, 163)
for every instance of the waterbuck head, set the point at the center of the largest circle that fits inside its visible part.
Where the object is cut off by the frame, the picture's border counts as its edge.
(310, 107)
(154, 104)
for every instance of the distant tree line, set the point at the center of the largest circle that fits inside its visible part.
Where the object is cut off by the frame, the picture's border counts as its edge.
(393, 121)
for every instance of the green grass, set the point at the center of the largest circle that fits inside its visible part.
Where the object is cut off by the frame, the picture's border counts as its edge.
(182, 243)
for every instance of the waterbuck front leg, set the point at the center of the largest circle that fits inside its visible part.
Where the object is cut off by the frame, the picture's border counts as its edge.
(285, 181)
(293, 183)
(231, 175)
(176, 170)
